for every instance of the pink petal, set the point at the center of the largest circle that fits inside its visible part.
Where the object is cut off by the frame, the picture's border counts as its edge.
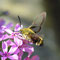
(36, 57)
(9, 31)
(27, 58)
(10, 43)
(11, 36)
(29, 49)
(17, 27)
(12, 49)
(20, 54)
(3, 58)
(6, 36)
(1, 39)
(9, 25)
(4, 28)
(1, 53)
(17, 51)
(1, 34)
(4, 47)
(18, 41)
(2, 22)
(13, 57)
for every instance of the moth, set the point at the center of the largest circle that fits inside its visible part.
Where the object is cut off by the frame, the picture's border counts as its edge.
(30, 33)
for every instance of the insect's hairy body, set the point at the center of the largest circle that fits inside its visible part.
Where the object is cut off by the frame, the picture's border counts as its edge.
(31, 36)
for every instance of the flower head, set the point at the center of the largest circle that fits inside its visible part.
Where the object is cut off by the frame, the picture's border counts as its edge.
(7, 54)
(14, 44)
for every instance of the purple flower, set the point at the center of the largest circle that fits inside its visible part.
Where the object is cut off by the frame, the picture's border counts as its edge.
(20, 47)
(8, 54)
(23, 46)
(9, 25)
(2, 22)
(4, 29)
(14, 44)
(36, 57)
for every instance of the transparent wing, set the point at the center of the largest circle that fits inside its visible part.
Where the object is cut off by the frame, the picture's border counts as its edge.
(37, 23)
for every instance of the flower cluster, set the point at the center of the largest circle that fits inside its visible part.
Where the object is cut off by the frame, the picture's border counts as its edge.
(13, 43)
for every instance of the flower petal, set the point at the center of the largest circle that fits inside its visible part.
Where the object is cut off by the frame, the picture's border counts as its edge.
(1, 53)
(2, 22)
(3, 58)
(27, 58)
(8, 31)
(28, 49)
(1, 34)
(36, 57)
(10, 43)
(18, 27)
(4, 37)
(12, 49)
(9, 25)
(4, 47)
(4, 28)
(18, 41)
(20, 55)
(17, 51)
(13, 57)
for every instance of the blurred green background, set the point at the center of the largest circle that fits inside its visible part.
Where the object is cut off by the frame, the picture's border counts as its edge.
(27, 10)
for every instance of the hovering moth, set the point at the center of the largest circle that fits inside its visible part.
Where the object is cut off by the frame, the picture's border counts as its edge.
(30, 33)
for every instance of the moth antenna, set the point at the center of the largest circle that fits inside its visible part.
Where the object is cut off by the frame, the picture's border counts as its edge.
(19, 20)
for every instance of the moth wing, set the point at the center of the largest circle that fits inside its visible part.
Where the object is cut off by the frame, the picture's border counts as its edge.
(38, 21)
